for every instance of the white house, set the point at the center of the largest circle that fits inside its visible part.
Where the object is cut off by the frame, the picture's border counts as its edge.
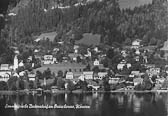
(124, 53)
(88, 75)
(69, 75)
(4, 67)
(5, 72)
(82, 77)
(136, 43)
(137, 81)
(137, 52)
(21, 64)
(96, 62)
(114, 80)
(121, 65)
(32, 77)
(101, 75)
(48, 59)
(76, 47)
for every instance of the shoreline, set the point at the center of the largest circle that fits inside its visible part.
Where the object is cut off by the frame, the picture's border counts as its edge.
(64, 91)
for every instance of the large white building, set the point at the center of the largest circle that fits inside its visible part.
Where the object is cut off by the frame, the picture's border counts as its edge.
(5, 72)
(49, 59)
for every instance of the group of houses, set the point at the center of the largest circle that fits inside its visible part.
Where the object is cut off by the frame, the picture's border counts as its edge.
(77, 72)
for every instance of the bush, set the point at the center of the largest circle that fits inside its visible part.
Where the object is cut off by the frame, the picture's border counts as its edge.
(3, 85)
(71, 86)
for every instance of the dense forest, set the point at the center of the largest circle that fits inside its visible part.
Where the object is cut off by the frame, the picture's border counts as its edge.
(148, 22)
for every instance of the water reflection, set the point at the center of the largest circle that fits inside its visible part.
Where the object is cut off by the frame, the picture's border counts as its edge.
(106, 104)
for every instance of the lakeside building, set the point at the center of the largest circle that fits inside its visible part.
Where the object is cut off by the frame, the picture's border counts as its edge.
(49, 59)
(69, 75)
(100, 75)
(5, 72)
(96, 62)
(88, 75)
(32, 77)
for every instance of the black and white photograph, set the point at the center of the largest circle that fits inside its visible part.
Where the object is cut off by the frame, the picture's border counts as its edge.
(83, 57)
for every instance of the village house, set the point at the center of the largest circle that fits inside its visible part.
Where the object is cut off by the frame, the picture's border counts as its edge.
(21, 64)
(101, 75)
(76, 48)
(136, 43)
(153, 71)
(5, 72)
(114, 80)
(123, 63)
(32, 77)
(124, 53)
(73, 56)
(88, 75)
(137, 81)
(96, 62)
(49, 59)
(69, 75)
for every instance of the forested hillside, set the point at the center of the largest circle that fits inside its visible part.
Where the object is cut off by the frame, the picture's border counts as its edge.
(71, 18)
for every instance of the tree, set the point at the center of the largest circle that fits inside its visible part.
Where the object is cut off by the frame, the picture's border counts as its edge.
(127, 41)
(60, 83)
(47, 73)
(153, 41)
(12, 83)
(96, 69)
(71, 85)
(21, 85)
(60, 74)
(3, 85)
(106, 84)
(110, 53)
(39, 75)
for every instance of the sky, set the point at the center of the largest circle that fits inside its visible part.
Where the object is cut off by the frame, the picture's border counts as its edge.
(132, 3)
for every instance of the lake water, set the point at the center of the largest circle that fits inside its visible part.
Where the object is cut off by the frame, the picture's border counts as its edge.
(91, 104)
